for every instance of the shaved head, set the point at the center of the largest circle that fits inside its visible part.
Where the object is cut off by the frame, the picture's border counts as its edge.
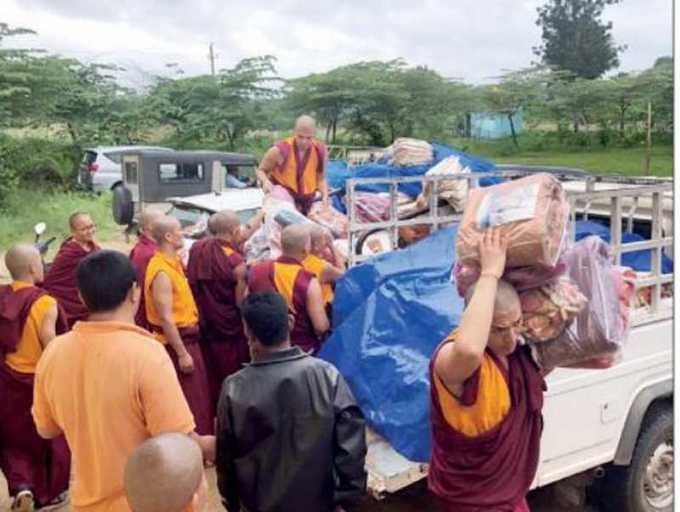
(295, 240)
(163, 474)
(507, 307)
(147, 219)
(317, 233)
(20, 260)
(305, 122)
(74, 218)
(223, 222)
(163, 226)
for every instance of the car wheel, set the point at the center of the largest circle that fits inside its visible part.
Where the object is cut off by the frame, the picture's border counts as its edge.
(122, 205)
(646, 485)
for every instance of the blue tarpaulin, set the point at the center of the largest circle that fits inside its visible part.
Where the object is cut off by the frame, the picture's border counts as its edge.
(637, 260)
(389, 315)
(339, 172)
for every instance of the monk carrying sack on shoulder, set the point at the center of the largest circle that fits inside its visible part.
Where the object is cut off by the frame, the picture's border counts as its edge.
(486, 400)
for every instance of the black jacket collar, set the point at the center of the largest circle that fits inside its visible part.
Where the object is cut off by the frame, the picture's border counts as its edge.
(280, 356)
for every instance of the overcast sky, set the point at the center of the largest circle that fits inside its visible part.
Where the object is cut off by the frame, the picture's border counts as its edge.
(469, 39)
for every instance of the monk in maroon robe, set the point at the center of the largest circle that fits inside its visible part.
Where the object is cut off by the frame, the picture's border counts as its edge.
(486, 400)
(217, 273)
(37, 471)
(140, 255)
(60, 281)
(299, 287)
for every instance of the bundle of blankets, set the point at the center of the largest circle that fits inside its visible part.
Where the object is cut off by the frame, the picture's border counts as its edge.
(575, 302)
(405, 151)
(280, 211)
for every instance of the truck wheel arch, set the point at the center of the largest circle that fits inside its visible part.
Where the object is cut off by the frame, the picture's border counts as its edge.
(636, 415)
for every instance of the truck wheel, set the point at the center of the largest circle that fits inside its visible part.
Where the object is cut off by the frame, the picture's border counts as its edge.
(122, 205)
(647, 484)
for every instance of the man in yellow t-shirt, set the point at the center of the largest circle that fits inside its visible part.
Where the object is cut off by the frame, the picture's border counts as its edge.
(37, 471)
(108, 386)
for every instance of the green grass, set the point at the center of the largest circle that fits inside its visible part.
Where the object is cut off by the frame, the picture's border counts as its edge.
(625, 161)
(629, 162)
(26, 208)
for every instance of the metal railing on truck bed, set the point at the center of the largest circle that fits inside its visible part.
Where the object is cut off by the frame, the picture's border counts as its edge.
(617, 198)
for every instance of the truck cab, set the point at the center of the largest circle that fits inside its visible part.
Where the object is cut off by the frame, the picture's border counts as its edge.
(190, 182)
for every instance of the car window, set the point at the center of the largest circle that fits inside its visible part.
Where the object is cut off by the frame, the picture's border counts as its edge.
(131, 173)
(89, 157)
(174, 172)
(243, 173)
(114, 157)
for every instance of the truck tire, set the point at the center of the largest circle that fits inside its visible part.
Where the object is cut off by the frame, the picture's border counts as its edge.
(646, 485)
(122, 205)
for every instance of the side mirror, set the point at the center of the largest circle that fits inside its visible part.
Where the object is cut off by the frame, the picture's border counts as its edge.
(39, 228)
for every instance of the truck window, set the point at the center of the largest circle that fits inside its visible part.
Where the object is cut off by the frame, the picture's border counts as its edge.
(174, 172)
(131, 173)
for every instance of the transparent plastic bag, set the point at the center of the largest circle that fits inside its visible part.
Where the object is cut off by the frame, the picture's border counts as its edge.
(600, 329)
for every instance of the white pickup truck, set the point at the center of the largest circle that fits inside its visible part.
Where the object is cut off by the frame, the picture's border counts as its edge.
(613, 426)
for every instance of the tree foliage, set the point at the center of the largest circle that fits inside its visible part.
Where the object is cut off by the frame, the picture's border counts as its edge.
(575, 39)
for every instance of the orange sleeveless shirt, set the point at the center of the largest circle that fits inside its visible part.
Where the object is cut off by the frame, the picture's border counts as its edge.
(287, 175)
(184, 309)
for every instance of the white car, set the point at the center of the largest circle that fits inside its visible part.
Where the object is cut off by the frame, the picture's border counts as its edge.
(100, 169)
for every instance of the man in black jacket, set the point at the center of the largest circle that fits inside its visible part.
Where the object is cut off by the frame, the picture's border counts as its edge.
(290, 435)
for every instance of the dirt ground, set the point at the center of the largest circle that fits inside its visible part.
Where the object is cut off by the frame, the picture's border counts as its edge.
(413, 499)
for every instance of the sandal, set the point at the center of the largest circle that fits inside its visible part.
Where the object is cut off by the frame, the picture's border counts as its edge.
(23, 502)
(56, 503)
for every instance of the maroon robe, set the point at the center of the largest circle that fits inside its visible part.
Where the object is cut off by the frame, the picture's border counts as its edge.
(26, 460)
(140, 255)
(195, 385)
(261, 279)
(492, 472)
(211, 276)
(61, 282)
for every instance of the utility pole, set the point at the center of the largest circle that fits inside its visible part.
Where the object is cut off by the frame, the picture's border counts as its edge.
(212, 60)
(648, 156)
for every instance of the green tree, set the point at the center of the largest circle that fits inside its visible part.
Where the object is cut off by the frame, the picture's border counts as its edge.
(575, 39)
(224, 107)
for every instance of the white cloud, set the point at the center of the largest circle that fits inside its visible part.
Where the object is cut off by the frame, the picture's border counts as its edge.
(468, 39)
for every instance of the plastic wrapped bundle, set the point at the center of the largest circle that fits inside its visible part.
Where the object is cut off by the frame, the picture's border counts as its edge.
(599, 329)
(405, 151)
(548, 310)
(452, 191)
(329, 218)
(372, 207)
(521, 278)
(265, 243)
(532, 214)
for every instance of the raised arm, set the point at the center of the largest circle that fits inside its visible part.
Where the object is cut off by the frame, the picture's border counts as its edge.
(458, 360)
(272, 158)
(161, 290)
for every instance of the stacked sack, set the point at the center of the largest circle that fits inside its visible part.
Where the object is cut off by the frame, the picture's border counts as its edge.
(405, 151)
(453, 191)
(575, 302)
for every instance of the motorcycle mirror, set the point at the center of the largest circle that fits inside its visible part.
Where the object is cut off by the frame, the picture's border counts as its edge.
(40, 228)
